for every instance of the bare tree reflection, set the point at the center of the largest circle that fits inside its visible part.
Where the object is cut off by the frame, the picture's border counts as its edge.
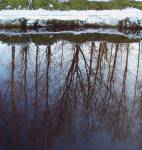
(67, 88)
(14, 118)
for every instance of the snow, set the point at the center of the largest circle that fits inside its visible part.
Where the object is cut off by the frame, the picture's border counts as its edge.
(107, 17)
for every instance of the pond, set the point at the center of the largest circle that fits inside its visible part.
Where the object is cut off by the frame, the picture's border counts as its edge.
(59, 93)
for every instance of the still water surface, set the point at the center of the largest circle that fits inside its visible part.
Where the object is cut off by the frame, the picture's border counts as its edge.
(71, 96)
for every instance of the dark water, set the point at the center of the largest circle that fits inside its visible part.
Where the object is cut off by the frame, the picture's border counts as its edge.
(71, 96)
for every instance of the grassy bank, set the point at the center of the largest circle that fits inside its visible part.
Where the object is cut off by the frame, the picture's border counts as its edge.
(74, 4)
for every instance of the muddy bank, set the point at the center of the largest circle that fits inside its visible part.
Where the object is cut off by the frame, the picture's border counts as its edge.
(25, 24)
(51, 24)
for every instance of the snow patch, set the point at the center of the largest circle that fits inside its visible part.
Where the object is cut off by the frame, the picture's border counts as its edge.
(100, 17)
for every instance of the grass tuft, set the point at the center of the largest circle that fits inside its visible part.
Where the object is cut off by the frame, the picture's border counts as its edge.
(73, 4)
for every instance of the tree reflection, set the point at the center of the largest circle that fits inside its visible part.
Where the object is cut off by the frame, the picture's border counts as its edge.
(57, 89)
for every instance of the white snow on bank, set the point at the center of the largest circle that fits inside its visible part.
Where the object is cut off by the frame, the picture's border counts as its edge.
(109, 17)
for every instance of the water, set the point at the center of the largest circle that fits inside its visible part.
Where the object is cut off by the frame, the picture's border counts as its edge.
(67, 95)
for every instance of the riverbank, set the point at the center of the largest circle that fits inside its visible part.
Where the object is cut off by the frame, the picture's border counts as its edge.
(125, 18)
